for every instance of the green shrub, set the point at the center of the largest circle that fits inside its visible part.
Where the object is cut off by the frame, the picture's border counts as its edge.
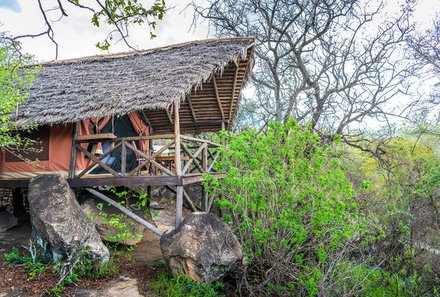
(181, 286)
(291, 206)
(33, 265)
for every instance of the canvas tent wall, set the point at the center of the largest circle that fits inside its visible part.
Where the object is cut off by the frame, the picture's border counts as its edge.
(54, 144)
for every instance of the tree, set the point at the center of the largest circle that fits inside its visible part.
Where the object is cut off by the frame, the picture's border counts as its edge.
(336, 64)
(119, 14)
(426, 50)
(15, 79)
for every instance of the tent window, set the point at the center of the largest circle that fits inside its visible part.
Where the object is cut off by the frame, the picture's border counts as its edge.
(41, 146)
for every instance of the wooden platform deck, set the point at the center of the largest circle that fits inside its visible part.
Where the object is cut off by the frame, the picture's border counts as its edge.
(110, 180)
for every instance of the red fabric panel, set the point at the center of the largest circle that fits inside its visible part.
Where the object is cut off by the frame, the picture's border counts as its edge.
(60, 144)
(141, 128)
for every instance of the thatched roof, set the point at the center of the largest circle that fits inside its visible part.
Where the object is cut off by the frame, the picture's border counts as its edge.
(72, 90)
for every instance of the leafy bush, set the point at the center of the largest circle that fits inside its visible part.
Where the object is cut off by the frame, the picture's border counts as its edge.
(181, 286)
(291, 206)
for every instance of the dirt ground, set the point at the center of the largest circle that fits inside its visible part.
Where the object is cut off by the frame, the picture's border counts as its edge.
(142, 263)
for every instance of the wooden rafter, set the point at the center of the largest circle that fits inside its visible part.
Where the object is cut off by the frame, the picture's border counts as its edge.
(191, 108)
(234, 85)
(170, 118)
(217, 96)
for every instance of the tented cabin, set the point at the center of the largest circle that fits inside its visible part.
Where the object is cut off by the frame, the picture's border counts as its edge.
(132, 118)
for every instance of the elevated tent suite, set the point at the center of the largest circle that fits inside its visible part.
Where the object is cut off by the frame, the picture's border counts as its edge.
(123, 119)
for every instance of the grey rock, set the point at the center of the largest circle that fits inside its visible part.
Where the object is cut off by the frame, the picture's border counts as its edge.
(122, 287)
(7, 220)
(202, 247)
(60, 229)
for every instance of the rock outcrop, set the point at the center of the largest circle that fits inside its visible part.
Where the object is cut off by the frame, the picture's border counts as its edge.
(202, 247)
(7, 220)
(60, 229)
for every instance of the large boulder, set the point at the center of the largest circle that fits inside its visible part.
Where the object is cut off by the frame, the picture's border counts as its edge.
(60, 229)
(110, 232)
(7, 220)
(202, 247)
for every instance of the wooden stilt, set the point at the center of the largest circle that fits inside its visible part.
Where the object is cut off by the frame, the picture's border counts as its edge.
(179, 204)
(205, 199)
(73, 151)
(177, 164)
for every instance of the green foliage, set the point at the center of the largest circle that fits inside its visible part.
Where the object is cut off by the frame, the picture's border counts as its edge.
(33, 266)
(181, 286)
(367, 281)
(124, 227)
(291, 206)
(15, 79)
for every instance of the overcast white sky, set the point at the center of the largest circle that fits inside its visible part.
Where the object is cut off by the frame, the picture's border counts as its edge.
(76, 35)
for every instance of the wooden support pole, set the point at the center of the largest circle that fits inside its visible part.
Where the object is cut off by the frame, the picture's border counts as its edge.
(126, 211)
(123, 158)
(73, 151)
(177, 164)
(205, 199)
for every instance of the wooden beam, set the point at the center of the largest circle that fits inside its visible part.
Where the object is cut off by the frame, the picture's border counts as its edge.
(169, 116)
(14, 183)
(217, 96)
(191, 108)
(102, 157)
(188, 200)
(111, 181)
(126, 211)
(234, 85)
(96, 160)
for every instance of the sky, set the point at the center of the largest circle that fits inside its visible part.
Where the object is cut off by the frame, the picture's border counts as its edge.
(77, 37)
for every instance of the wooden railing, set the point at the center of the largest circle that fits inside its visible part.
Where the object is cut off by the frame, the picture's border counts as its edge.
(197, 156)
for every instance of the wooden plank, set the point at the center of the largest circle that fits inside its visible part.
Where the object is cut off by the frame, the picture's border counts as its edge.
(189, 138)
(126, 211)
(99, 136)
(14, 183)
(103, 165)
(100, 159)
(217, 96)
(195, 178)
(128, 181)
(73, 150)
(148, 159)
(193, 158)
